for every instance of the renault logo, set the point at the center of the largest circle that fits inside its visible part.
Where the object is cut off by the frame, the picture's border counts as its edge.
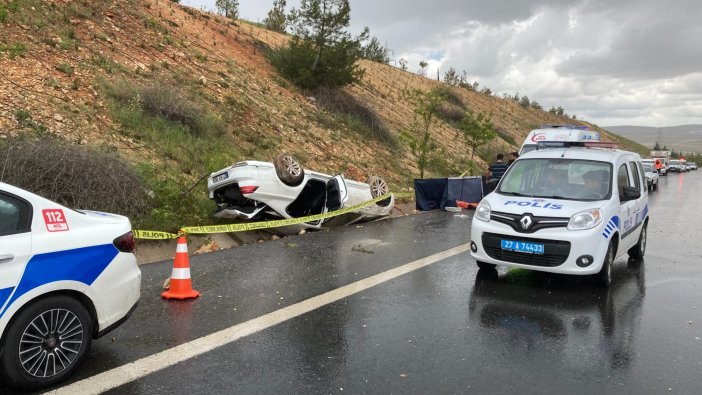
(525, 222)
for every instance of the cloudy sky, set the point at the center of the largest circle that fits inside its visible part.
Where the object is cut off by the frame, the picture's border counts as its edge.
(621, 62)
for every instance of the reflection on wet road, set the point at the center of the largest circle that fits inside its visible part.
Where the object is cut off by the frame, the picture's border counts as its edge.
(444, 328)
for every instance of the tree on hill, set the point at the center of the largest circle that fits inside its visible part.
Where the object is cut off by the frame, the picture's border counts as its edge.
(417, 136)
(228, 8)
(477, 131)
(276, 19)
(451, 77)
(524, 101)
(376, 52)
(403, 64)
(422, 65)
(321, 52)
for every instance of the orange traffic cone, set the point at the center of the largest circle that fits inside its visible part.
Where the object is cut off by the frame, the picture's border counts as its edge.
(181, 284)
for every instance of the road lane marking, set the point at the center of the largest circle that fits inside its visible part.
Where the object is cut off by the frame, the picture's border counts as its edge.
(142, 367)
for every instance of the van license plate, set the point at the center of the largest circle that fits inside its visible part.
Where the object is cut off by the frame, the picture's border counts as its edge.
(524, 247)
(220, 177)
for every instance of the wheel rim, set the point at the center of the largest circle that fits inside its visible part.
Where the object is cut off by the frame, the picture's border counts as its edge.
(379, 187)
(609, 264)
(291, 166)
(50, 343)
(642, 247)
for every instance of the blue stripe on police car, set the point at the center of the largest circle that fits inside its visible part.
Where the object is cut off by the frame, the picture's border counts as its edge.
(81, 264)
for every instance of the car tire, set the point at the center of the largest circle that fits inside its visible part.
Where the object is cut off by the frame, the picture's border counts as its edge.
(56, 333)
(638, 250)
(378, 187)
(604, 277)
(289, 170)
(485, 266)
(655, 186)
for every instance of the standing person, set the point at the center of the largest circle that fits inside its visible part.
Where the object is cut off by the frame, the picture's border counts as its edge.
(498, 168)
(512, 157)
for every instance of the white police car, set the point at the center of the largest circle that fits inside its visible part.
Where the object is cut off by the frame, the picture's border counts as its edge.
(66, 277)
(564, 209)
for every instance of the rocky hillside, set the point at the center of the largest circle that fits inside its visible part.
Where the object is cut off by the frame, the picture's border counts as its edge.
(107, 74)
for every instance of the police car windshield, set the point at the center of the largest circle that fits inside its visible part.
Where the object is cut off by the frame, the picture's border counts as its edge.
(558, 178)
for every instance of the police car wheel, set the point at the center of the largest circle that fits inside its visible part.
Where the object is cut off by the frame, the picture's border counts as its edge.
(46, 342)
(604, 277)
(485, 265)
(638, 251)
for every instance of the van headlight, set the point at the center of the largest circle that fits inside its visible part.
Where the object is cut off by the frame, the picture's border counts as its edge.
(587, 219)
(482, 212)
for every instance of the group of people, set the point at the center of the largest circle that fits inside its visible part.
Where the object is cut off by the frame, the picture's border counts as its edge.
(497, 170)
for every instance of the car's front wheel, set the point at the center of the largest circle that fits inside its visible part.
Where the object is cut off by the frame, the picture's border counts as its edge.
(288, 169)
(604, 277)
(45, 343)
(638, 251)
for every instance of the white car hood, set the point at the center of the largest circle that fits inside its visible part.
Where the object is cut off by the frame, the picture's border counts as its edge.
(540, 207)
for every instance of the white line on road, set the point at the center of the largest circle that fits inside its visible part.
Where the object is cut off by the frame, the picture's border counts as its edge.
(132, 371)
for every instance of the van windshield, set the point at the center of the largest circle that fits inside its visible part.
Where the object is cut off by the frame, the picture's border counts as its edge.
(571, 179)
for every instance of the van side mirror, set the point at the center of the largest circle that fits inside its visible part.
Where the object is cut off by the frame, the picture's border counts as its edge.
(630, 193)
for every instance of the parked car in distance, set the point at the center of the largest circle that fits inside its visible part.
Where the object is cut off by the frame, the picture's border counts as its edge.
(254, 190)
(676, 166)
(66, 277)
(651, 176)
(692, 165)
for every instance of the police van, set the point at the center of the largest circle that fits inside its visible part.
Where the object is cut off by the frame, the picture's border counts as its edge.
(66, 277)
(567, 207)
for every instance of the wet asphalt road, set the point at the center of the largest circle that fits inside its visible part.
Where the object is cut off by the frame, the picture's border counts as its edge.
(440, 329)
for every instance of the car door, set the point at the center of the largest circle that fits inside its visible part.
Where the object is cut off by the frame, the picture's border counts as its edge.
(15, 243)
(337, 193)
(628, 209)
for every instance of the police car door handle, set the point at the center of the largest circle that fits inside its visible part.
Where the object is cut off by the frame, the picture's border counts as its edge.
(6, 258)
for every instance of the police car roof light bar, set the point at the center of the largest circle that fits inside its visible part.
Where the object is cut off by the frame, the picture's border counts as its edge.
(578, 127)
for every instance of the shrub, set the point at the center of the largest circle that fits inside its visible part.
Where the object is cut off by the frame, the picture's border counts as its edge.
(359, 117)
(450, 112)
(75, 176)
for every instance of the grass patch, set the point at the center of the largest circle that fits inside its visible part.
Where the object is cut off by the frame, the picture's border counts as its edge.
(65, 68)
(190, 139)
(13, 50)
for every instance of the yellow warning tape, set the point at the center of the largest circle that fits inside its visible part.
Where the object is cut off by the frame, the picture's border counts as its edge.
(153, 235)
(230, 228)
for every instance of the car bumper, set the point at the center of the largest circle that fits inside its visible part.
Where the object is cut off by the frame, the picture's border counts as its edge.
(573, 245)
(115, 292)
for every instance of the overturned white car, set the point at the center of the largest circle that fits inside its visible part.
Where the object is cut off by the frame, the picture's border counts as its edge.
(256, 190)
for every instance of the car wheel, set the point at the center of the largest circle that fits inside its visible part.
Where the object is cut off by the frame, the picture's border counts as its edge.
(46, 342)
(638, 251)
(378, 187)
(485, 266)
(655, 186)
(289, 170)
(604, 277)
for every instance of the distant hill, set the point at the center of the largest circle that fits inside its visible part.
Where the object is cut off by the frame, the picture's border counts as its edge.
(686, 138)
